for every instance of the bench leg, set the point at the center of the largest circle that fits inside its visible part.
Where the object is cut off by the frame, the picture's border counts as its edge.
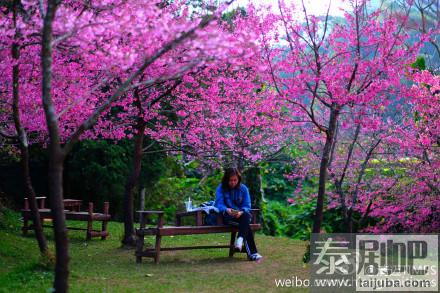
(104, 223)
(199, 218)
(25, 225)
(139, 248)
(157, 249)
(104, 230)
(89, 229)
(231, 244)
(90, 222)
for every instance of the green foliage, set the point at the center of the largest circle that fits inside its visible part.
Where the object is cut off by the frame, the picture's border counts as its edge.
(275, 185)
(230, 16)
(156, 166)
(420, 63)
(96, 171)
(271, 222)
(306, 256)
(8, 154)
(294, 221)
(169, 193)
(9, 219)
(382, 167)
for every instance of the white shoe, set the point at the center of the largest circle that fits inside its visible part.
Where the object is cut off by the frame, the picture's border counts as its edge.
(255, 257)
(239, 243)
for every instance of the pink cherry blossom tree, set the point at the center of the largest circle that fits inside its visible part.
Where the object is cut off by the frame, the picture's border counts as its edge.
(359, 159)
(226, 117)
(223, 112)
(412, 204)
(326, 70)
(145, 109)
(14, 15)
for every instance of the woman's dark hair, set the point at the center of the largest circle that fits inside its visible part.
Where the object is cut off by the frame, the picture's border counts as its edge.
(228, 174)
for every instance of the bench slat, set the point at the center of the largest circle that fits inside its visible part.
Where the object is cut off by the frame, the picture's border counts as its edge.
(31, 227)
(150, 212)
(188, 230)
(80, 216)
(188, 247)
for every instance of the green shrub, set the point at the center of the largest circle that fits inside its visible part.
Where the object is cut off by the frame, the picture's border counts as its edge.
(96, 171)
(281, 219)
(9, 220)
(296, 221)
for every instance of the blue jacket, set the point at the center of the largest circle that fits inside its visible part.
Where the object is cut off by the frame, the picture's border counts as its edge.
(237, 199)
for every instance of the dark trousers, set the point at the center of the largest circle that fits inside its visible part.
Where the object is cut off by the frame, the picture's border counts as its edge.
(244, 231)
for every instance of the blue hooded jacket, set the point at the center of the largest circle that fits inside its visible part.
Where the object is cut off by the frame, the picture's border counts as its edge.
(237, 199)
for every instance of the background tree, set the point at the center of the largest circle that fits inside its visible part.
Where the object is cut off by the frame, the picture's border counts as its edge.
(424, 19)
(15, 16)
(321, 72)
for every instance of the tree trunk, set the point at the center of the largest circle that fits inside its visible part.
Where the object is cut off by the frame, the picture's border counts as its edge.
(142, 199)
(56, 156)
(23, 141)
(330, 136)
(59, 221)
(132, 180)
(30, 193)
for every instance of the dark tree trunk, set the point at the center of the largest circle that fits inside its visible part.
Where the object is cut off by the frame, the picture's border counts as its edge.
(23, 141)
(30, 193)
(330, 136)
(56, 156)
(132, 180)
(56, 201)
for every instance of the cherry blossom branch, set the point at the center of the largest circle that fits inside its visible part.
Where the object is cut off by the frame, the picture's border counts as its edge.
(126, 85)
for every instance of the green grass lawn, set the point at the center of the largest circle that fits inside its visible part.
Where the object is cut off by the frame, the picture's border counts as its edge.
(103, 266)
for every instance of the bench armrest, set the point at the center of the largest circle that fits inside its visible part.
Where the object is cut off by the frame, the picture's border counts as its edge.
(143, 216)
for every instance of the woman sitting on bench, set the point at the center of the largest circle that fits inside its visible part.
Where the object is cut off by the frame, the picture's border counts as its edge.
(233, 201)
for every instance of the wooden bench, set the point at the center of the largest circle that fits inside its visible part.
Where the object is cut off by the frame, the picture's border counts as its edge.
(160, 230)
(87, 216)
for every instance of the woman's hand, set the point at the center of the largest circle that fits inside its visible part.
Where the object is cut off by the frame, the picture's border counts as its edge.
(237, 215)
(229, 211)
